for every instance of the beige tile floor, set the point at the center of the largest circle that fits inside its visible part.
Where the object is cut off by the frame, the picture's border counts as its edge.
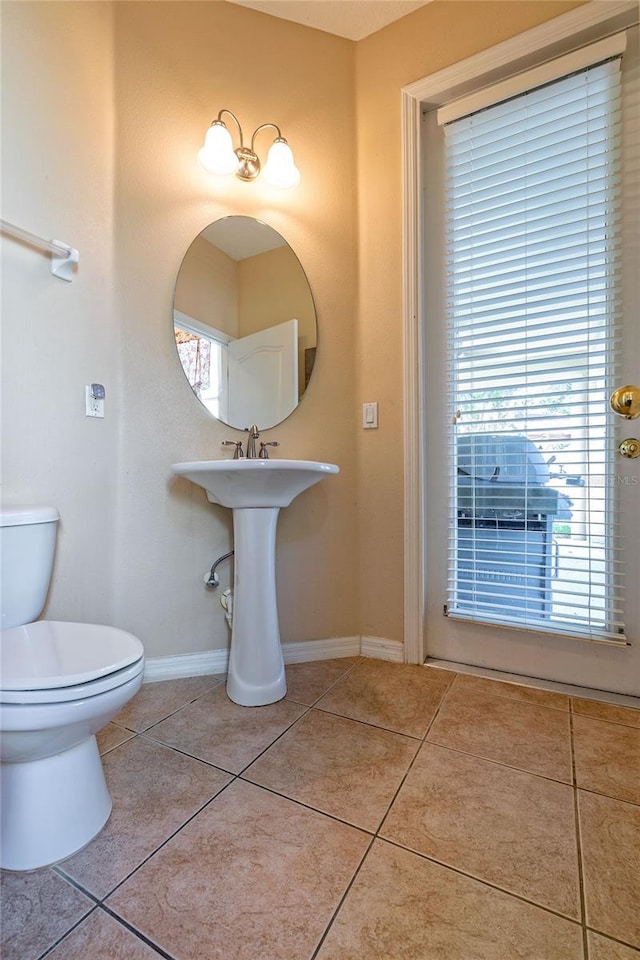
(379, 812)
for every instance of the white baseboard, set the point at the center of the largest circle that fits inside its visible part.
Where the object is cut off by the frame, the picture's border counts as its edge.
(185, 665)
(381, 649)
(216, 661)
(329, 649)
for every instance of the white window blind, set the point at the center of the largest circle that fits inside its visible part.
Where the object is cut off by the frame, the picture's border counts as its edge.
(533, 211)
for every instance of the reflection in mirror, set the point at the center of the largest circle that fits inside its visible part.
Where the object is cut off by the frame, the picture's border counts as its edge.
(245, 323)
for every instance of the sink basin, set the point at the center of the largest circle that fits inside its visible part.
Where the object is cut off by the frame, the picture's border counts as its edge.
(254, 483)
(255, 490)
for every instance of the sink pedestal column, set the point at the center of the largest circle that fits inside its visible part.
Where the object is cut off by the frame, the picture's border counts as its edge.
(256, 668)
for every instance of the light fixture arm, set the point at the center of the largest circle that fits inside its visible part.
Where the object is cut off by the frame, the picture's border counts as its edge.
(263, 126)
(220, 120)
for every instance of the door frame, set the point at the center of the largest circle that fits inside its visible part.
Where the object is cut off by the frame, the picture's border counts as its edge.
(556, 36)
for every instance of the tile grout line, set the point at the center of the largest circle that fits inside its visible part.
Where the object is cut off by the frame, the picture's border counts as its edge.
(376, 835)
(458, 870)
(613, 938)
(52, 946)
(576, 814)
(419, 740)
(532, 686)
(314, 706)
(522, 700)
(415, 757)
(307, 708)
(100, 907)
(377, 726)
(329, 688)
(279, 737)
(609, 796)
(616, 723)
(373, 835)
(576, 921)
(307, 806)
(234, 776)
(366, 723)
(501, 763)
(137, 933)
(101, 902)
(483, 882)
(216, 766)
(56, 868)
(342, 899)
(172, 713)
(184, 753)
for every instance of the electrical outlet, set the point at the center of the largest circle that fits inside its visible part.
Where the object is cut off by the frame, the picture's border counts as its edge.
(92, 407)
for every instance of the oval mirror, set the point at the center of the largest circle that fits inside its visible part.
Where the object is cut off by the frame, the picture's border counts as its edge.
(244, 323)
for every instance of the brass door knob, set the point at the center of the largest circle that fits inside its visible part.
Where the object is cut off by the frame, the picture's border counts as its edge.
(630, 448)
(625, 401)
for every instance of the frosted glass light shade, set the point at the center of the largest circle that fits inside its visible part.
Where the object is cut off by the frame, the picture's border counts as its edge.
(217, 154)
(280, 169)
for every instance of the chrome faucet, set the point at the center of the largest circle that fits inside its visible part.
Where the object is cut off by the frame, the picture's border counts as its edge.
(251, 454)
(251, 441)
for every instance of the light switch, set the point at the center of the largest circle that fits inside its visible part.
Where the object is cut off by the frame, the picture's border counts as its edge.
(369, 416)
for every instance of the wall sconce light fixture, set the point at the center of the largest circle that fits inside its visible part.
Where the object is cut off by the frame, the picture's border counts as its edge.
(219, 156)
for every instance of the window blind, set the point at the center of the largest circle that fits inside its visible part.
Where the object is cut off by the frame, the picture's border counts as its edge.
(533, 224)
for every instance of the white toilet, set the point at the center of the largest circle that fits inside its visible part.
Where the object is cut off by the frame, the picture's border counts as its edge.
(59, 684)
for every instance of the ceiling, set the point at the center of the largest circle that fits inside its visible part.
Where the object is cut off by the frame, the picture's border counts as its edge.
(242, 237)
(353, 19)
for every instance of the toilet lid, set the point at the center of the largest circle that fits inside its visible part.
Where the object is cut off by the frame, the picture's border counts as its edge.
(49, 654)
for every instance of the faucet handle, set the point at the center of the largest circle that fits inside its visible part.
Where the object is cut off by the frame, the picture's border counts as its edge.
(264, 453)
(238, 452)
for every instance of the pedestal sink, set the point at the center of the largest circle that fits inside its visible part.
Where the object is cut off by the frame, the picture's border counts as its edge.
(255, 490)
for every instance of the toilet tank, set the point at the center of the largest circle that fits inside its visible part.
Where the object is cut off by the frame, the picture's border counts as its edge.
(27, 547)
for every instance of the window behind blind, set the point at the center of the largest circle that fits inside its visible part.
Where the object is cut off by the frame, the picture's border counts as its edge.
(533, 226)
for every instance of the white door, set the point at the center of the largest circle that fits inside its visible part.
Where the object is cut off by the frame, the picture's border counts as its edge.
(263, 376)
(539, 653)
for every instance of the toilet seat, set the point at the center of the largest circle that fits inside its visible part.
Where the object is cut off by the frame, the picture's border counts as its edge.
(51, 661)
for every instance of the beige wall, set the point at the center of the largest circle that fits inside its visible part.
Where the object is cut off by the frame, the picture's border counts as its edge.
(57, 181)
(104, 109)
(176, 66)
(273, 288)
(431, 38)
(207, 287)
